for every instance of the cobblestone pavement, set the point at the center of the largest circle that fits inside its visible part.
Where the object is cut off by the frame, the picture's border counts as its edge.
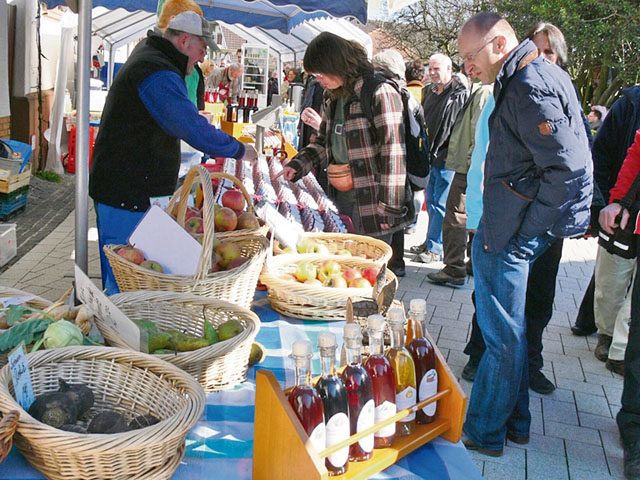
(574, 434)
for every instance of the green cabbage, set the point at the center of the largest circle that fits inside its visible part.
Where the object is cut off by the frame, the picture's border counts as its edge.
(62, 334)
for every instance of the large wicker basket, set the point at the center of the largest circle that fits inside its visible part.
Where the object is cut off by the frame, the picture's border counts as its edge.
(216, 367)
(36, 302)
(8, 425)
(178, 203)
(359, 245)
(131, 383)
(307, 301)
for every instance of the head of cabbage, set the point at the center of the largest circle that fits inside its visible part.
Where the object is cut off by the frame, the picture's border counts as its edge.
(62, 334)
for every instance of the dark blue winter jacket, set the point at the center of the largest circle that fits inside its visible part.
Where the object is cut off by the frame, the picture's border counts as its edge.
(538, 171)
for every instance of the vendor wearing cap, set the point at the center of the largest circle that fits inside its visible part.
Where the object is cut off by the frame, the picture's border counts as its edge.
(146, 114)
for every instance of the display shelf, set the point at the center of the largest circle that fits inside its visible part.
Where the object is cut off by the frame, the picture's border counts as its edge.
(276, 425)
(255, 58)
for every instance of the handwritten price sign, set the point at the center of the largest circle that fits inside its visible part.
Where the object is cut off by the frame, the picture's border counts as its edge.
(21, 377)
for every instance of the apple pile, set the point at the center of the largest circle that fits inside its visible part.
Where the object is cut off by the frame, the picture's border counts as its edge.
(136, 256)
(229, 216)
(226, 256)
(331, 274)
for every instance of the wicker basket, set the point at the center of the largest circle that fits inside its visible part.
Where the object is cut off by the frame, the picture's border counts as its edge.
(131, 383)
(177, 207)
(36, 302)
(306, 301)
(359, 245)
(216, 367)
(8, 425)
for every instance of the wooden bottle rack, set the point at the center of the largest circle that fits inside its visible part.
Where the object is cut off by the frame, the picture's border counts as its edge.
(281, 447)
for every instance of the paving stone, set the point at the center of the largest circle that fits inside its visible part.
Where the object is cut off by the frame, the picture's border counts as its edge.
(585, 456)
(552, 346)
(535, 404)
(495, 471)
(559, 394)
(537, 424)
(457, 358)
(612, 444)
(597, 421)
(439, 293)
(581, 474)
(543, 444)
(451, 344)
(593, 404)
(561, 412)
(614, 394)
(582, 387)
(616, 466)
(455, 333)
(448, 311)
(573, 433)
(545, 465)
(604, 378)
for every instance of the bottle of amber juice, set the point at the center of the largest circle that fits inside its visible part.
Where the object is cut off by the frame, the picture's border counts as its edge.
(336, 407)
(383, 379)
(424, 358)
(359, 394)
(304, 399)
(404, 369)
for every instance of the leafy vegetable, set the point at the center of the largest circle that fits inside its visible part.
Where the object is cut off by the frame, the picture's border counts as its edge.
(62, 334)
(26, 332)
(16, 312)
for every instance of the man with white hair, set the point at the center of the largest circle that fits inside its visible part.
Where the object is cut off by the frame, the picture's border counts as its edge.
(442, 101)
(226, 80)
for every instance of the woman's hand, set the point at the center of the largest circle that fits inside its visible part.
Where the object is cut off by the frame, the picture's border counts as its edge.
(608, 214)
(289, 173)
(310, 117)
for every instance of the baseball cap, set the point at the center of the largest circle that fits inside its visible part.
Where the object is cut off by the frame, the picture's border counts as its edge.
(191, 22)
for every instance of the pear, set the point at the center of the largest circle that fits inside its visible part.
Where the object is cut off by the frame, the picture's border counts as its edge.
(229, 329)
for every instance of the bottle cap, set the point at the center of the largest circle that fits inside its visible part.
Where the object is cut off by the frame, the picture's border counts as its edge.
(375, 322)
(301, 348)
(326, 339)
(352, 331)
(418, 305)
(396, 316)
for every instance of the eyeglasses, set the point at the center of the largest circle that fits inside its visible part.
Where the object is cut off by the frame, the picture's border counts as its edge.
(470, 57)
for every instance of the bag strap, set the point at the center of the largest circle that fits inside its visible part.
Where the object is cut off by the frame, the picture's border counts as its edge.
(369, 86)
(630, 197)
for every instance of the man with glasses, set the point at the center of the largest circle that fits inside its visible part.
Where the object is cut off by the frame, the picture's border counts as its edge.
(147, 112)
(537, 186)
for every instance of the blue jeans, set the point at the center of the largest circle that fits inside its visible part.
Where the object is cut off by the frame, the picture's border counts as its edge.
(500, 396)
(436, 198)
(115, 225)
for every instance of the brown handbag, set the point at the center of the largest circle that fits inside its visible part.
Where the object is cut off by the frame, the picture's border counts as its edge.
(339, 176)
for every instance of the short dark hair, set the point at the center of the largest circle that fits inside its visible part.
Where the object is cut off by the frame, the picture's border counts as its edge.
(556, 40)
(597, 112)
(333, 55)
(414, 70)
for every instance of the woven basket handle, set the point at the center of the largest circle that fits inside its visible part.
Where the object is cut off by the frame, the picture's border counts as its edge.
(8, 426)
(197, 174)
(238, 183)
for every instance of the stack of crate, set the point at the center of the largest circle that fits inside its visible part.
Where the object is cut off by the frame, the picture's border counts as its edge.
(15, 175)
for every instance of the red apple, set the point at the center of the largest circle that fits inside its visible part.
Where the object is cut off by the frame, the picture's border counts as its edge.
(234, 200)
(194, 225)
(226, 220)
(132, 254)
(337, 281)
(350, 274)
(228, 251)
(327, 269)
(359, 283)
(371, 274)
(305, 271)
(192, 212)
(248, 220)
(236, 262)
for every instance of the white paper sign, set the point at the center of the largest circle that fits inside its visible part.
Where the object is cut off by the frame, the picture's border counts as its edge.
(17, 300)
(91, 296)
(21, 377)
(287, 233)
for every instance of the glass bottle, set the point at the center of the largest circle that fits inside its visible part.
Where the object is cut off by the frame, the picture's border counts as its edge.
(404, 369)
(383, 380)
(359, 394)
(424, 358)
(304, 399)
(336, 406)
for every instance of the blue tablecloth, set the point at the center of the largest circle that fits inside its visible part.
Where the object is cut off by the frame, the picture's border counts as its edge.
(222, 441)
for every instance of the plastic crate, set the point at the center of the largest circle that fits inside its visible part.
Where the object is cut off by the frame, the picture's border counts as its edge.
(10, 202)
(8, 243)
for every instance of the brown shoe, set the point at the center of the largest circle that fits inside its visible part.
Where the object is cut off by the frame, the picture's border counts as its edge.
(615, 366)
(602, 349)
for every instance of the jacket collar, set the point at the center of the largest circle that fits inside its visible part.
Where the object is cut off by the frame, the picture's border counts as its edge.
(165, 46)
(520, 57)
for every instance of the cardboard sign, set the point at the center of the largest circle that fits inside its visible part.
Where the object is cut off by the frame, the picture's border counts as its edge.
(285, 232)
(163, 240)
(91, 296)
(21, 377)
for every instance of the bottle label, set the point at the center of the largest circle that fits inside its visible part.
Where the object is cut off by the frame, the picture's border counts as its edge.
(405, 399)
(318, 437)
(428, 388)
(383, 411)
(366, 420)
(338, 430)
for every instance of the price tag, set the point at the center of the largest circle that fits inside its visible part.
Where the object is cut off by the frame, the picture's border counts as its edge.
(17, 300)
(21, 377)
(91, 295)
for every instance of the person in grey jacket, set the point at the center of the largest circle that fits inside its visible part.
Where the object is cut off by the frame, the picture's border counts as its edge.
(538, 185)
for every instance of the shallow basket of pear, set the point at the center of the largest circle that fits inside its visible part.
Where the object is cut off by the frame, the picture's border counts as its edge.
(343, 244)
(221, 333)
(314, 287)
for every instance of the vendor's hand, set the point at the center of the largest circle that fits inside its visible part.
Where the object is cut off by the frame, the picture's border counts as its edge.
(289, 173)
(608, 214)
(385, 226)
(310, 117)
(250, 153)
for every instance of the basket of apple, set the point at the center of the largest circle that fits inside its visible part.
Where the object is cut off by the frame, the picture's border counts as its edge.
(228, 268)
(234, 217)
(317, 287)
(346, 244)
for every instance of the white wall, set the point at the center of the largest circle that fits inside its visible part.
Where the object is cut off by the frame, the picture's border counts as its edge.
(4, 61)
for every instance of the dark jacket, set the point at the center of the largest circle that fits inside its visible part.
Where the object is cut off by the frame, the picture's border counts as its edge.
(457, 94)
(538, 172)
(613, 139)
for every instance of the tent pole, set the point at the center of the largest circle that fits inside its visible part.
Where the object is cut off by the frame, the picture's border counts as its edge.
(111, 66)
(82, 134)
